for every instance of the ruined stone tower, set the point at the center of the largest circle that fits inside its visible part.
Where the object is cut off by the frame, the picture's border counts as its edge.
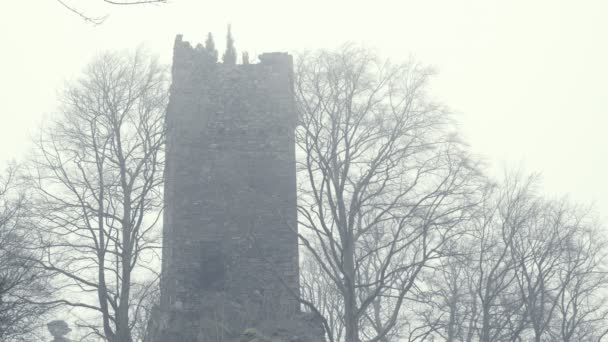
(230, 256)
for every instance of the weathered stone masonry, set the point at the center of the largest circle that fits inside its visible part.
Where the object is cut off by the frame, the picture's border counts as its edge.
(230, 197)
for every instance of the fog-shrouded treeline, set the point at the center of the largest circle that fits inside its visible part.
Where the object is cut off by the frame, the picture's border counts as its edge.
(524, 268)
(93, 189)
(20, 281)
(406, 239)
(403, 235)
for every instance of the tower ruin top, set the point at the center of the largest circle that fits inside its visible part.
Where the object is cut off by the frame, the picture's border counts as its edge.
(185, 54)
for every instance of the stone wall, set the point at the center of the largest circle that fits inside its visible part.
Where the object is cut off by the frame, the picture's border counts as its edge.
(230, 196)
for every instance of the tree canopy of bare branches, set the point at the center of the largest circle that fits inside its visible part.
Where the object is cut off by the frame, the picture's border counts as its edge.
(96, 178)
(529, 269)
(21, 282)
(384, 182)
(405, 240)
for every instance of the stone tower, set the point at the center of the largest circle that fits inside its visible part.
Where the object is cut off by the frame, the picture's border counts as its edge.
(230, 256)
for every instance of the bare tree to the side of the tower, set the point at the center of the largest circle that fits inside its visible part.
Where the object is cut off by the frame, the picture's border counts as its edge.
(582, 305)
(384, 183)
(403, 240)
(481, 275)
(21, 283)
(530, 269)
(96, 177)
(316, 287)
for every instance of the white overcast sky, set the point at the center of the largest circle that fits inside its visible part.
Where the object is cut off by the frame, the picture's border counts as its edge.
(527, 78)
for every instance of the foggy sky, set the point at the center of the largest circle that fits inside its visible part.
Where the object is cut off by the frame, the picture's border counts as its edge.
(526, 79)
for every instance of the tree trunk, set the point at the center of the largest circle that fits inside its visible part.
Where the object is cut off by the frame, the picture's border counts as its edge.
(351, 323)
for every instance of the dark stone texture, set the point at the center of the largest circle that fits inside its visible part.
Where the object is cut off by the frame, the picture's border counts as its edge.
(230, 256)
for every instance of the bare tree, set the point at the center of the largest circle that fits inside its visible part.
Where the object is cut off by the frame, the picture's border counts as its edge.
(582, 303)
(528, 270)
(97, 177)
(508, 211)
(537, 251)
(20, 281)
(317, 287)
(405, 241)
(384, 183)
(147, 299)
(447, 303)
(472, 293)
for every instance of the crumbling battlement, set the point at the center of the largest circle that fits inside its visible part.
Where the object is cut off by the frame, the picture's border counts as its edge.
(189, 59)
(183, 52)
